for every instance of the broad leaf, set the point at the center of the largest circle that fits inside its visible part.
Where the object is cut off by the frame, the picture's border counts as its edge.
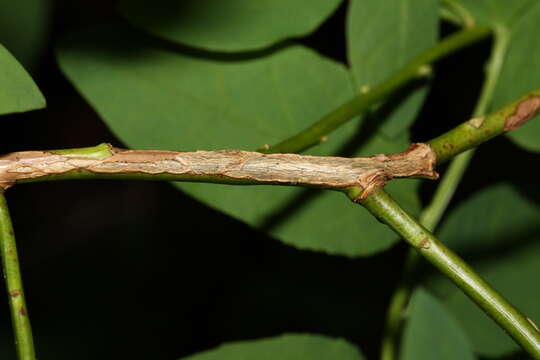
(23, 28)
(382, 36)
(153, 98)
(284, 347)
(510, 216)
(18, 92)
(432, 332)
(504, 241)
(497, 12)
(520, 73)
(233, 25)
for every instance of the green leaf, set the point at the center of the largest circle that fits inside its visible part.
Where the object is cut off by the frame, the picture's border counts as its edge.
(18, 92)
(233, 25)
(496, 12)
(23, 28)
(511, 216)
(520, 74)
(432, 332)
(499, 229)
(152, 99)
(514, 274)
(284, 347)
(382, 36)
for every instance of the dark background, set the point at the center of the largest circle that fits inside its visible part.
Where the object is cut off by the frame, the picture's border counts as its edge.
(139, 270)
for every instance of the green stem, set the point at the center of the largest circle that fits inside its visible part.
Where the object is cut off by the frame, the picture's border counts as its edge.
(382, 206)
(432, 213)
(482, 128)
(362, 102)
(429, 218)
(395, 314)
(454, 12)
(479, 129)
(445, 191)
(12, 274)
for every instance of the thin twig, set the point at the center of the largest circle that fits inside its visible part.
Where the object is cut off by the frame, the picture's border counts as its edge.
(226, 166)
(12, 274)
(363, 102)
(382, 206)
(432, 214)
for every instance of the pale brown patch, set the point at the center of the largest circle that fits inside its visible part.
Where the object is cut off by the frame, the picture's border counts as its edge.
(380, 157)
(425, 70)
(368, 173)
(22, 311)
(476, 122)
(371, 184)
(524, 111)
(15, 293)
(423, 156)
(425, 243)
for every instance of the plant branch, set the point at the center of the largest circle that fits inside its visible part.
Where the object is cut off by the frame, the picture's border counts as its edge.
(10, 266)
(238, 167)
(226, 166)
(482, 128)
(382, 206)
(251, 168)
(429, 218)
(456, 13)
(432, 214)
(362, 102)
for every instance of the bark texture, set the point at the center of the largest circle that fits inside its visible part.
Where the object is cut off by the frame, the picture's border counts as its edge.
(282, 169)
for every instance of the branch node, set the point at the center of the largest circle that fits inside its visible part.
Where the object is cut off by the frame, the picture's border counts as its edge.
(476, 122)
(424, 70)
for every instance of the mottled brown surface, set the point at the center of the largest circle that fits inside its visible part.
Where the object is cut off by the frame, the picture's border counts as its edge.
(282, 169)
(524, 111)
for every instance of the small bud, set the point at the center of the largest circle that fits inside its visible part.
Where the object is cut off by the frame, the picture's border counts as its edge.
(365, 89)
(424, 70)
(476, 122)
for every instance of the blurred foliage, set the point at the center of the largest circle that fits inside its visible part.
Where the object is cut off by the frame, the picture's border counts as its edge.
(286, 347)
(232, 26)
(24, 28)
(431, 323)
(373, 55)
(143, 270)
(18, 92)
